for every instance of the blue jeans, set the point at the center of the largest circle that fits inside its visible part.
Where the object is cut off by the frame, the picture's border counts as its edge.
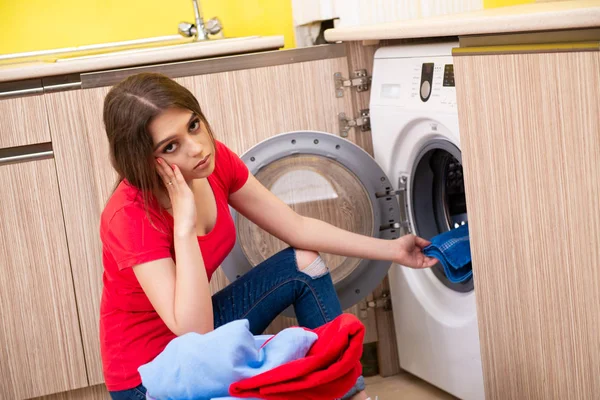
(137, 393)
(263, 293)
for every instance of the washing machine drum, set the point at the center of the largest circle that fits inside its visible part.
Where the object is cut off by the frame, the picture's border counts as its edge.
(437, 196)
(322, 176)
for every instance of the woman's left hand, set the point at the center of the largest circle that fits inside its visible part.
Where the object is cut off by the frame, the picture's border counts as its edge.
(410, 252)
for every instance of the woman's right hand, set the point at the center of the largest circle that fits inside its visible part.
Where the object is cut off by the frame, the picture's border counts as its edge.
(181, 196)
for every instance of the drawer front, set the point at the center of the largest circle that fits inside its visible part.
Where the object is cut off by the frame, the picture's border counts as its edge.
(23, 121)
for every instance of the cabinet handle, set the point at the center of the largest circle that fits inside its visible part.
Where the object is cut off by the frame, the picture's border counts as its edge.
(27, 87)
(13, 155)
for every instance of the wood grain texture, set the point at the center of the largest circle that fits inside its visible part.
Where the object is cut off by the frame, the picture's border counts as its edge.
(86, 180)
(387, 348)
(23, 121)
(248, 106)
(360, 57)
(40, 343)
(530, 146)
(97, 392)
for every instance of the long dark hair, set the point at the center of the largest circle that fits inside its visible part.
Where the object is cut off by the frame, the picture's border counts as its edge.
(129, 107)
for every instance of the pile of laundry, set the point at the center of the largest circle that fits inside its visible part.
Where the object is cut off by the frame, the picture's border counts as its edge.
(230, 362)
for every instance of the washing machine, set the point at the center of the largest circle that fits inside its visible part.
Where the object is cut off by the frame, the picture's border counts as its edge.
(415, 132)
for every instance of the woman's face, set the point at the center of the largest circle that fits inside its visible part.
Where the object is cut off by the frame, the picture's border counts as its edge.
(181, 138)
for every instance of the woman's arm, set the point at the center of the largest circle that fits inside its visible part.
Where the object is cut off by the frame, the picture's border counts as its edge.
(263, 208)
(330, 239)
(183, 309)
(180, 292)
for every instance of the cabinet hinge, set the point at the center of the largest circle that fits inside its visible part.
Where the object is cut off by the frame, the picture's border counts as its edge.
(361, 81)
(363, 121)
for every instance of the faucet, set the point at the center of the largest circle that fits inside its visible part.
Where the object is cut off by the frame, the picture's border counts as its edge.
(200, 31)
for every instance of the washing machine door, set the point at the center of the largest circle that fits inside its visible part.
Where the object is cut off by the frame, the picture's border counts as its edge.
(322, 176)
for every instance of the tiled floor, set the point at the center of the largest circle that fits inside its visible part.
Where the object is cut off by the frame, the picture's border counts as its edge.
(403, 387)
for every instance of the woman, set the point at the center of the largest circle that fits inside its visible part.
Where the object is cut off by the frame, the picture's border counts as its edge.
(167, 227)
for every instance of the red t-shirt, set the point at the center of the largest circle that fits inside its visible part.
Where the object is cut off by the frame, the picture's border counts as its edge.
(131, 331)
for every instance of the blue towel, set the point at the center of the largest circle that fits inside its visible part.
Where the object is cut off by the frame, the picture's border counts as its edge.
(201, 367)
(453, 250)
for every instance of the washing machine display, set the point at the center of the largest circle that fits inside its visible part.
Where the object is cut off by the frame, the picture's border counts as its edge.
(449, 75)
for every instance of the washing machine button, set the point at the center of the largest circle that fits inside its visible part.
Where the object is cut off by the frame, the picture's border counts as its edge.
(425, 89)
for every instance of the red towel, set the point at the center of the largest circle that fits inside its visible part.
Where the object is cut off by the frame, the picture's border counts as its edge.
(328, 371)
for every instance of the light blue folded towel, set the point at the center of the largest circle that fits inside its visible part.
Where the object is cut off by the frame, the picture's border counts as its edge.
(148, 397)
(454, 252)
(201, 367)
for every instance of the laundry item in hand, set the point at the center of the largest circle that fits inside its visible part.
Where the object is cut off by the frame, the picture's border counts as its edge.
(453, 250)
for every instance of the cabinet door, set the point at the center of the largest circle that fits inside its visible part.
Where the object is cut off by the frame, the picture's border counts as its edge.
(23, 121)
(86, 179)
(531, 146)
(97, 392)
(40, 342)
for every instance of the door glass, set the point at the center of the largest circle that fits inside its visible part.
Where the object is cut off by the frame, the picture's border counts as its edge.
(317, 187)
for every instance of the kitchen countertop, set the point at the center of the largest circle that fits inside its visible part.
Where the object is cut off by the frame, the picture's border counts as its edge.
(128, 58)
(522, 18)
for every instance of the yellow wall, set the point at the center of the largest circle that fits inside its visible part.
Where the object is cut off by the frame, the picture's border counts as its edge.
(28, 25)
(504, 3)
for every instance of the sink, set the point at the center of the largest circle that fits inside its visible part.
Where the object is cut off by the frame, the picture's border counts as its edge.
(109, 49)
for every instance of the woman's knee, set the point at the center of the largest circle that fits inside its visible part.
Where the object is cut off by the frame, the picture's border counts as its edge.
(310, 263)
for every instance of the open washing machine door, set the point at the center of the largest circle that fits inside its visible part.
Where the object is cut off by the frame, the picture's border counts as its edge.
(322, 176)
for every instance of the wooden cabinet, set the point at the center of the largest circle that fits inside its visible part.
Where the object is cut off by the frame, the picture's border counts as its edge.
(40, 341)
(97, 392)
(531, 155)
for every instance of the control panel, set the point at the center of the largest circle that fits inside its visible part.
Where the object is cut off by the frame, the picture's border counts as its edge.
(415, 83)
(449, 75)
